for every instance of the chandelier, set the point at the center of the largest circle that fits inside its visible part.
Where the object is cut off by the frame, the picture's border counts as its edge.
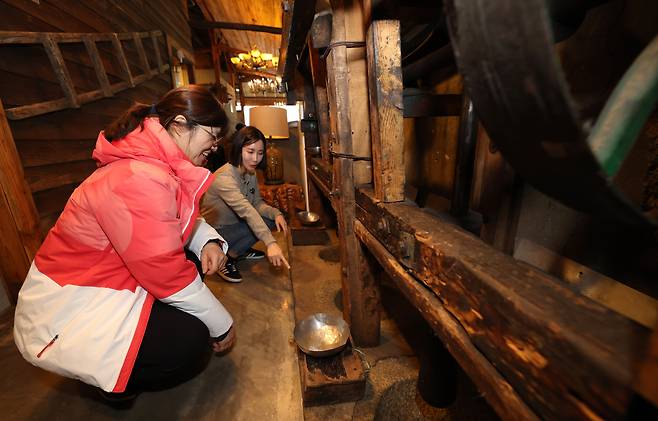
(255, 60)
(264, 87)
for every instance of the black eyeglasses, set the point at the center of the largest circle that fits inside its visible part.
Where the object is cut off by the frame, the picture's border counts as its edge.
(215, 139)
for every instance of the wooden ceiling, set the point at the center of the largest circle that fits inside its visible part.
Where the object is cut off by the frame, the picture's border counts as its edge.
(253, 12)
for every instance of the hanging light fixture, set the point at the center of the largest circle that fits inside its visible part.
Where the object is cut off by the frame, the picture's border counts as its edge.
(255, 60)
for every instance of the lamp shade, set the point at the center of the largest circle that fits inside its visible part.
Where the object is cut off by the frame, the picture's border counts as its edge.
(272, 121)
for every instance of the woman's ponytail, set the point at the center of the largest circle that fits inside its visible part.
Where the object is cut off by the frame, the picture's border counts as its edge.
(193, 102)
(129, 121)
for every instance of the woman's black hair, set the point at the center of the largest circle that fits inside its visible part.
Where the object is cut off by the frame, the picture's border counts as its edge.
(196, 103)
(247, 135)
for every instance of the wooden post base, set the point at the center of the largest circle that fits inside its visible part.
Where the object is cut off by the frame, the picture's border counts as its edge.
(335, 379)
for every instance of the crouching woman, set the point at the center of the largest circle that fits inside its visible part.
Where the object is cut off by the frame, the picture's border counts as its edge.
(233, 205)
(110, 298)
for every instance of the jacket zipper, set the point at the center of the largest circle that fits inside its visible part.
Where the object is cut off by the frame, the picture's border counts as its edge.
(48, 345)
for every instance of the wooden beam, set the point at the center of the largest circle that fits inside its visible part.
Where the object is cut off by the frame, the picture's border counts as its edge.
(565, 355)
(498, 392)
(202, 24)
(123, 63)
(137, 39)
(59, 66)
(348, 97)
(297, 22)
(19, 221)
(385, 90)
(103, 81)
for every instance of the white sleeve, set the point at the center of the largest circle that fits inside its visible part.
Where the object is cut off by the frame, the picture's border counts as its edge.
(197, 300)
(201, 233)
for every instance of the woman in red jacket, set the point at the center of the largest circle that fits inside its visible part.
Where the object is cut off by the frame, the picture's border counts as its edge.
(111, 298)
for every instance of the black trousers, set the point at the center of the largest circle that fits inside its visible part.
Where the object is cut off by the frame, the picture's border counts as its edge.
(175, 347)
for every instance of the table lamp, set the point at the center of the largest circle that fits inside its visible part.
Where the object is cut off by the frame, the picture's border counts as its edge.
(273, 122)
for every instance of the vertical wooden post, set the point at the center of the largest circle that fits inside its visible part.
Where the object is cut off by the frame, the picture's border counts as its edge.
(348, 100)
(385, 90)
(19, 221)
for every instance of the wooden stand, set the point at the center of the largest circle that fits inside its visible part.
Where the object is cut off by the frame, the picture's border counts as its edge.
(334, 379)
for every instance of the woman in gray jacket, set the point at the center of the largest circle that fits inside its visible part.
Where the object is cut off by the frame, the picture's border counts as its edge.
(234, 207)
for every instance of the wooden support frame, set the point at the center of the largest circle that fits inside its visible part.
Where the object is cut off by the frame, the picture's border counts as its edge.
(72, 99)
(385, 91)
(498, 392)
(19, 220)
(565, 355)
(347, 92)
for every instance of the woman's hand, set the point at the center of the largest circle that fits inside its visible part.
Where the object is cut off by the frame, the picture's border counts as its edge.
(212, 258)
(275, 255)
(225, 343)
(281, 224)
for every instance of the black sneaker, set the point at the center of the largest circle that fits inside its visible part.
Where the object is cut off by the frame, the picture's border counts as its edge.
(252, 254)
(230, 272)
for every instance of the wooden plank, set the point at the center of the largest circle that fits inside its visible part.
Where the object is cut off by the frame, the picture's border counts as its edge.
(565, 355)
(355, 31)
(18, 214)
(496, 390)
(333, 379)
(236, 26)
(57, 61)
(90, 45)
(37, 152)
(297, 23)
(52, 201)
(137, 39)
(26, 111)
(121, 57)
(51, 176)
(385, 88)
(347, 91)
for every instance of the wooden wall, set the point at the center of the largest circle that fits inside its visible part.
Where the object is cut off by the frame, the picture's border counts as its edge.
(55, 149)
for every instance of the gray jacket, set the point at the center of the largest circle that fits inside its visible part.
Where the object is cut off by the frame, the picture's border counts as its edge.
(233, 197)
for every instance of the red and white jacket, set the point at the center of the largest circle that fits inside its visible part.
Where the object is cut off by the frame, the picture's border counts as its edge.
(117, 247)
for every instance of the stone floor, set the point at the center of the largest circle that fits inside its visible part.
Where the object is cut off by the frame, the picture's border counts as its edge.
(259, 378)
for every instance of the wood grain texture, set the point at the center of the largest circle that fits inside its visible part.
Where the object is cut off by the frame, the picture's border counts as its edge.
(57, 62)
(92, 50)
(261, 12)
(565, 355)
(360, 293)
(385, 91)
(18, 215)
(498, 392)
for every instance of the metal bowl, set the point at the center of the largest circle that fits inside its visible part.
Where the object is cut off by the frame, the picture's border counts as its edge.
(321, 335)
(308, 218)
